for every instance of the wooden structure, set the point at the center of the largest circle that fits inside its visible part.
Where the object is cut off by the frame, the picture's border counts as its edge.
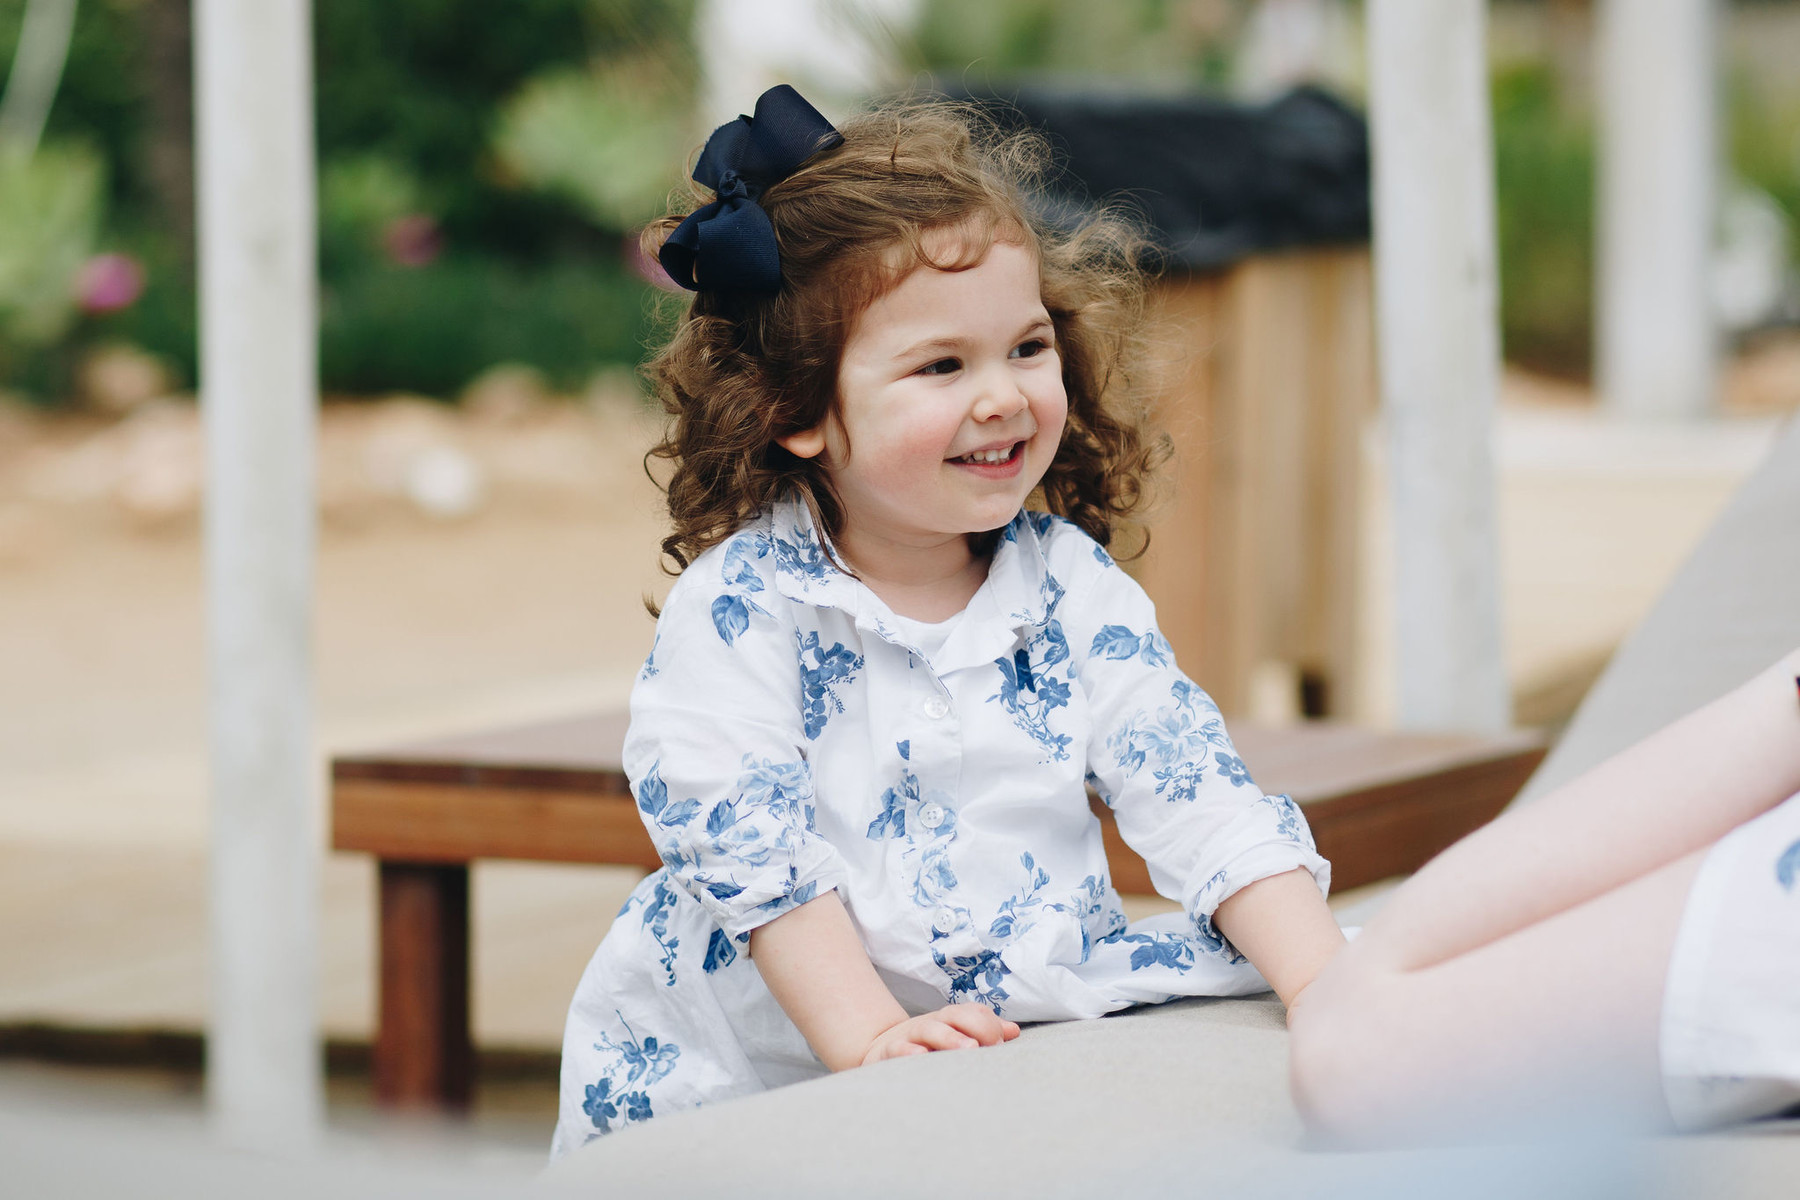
(1267, 385)
(1379, 805)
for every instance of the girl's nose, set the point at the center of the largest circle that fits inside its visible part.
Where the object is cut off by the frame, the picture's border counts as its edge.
(999, 397)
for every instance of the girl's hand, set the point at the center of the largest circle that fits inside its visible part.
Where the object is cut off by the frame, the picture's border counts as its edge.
(954, 1027)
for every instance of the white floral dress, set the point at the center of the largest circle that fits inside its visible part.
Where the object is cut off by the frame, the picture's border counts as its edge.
(787, 739)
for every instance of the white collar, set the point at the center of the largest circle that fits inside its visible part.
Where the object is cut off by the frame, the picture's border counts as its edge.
(1019, 591)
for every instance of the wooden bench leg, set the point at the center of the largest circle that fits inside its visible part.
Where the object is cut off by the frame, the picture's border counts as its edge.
(423, 1055)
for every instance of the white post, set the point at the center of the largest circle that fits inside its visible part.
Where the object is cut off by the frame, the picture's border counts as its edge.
(37, 68)
(1655, 342)
(1439, 346)
(259, 389)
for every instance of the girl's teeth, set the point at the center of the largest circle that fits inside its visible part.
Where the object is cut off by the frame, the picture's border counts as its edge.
(988, 456)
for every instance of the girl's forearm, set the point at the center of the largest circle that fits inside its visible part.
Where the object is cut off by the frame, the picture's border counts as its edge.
(817, 970)
(1283, 925)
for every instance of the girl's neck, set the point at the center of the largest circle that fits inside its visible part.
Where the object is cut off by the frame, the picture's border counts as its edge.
(921, 582)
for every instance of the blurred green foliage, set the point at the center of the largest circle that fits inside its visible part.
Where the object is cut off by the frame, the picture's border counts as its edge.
(1166, 43)
(1763, 136)
(499, 142)
(50, 207)
(1544, 177)
(480, 169)
(433, 329)
(545, 136)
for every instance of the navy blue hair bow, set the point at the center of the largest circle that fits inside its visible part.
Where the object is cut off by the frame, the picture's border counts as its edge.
(729, 245)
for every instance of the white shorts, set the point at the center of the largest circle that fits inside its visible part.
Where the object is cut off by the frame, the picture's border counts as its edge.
(1731, 1011)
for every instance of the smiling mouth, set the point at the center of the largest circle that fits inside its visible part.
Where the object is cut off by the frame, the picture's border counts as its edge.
(992, 458)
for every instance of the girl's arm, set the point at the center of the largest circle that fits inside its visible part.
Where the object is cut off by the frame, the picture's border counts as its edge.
(817, 970)
(1283, 926)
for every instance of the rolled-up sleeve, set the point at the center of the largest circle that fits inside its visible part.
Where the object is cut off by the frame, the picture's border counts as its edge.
(716, 760)
(1159, 756)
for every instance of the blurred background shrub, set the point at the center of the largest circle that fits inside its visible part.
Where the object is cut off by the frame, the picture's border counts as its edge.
(1544, 172)
(481, 170)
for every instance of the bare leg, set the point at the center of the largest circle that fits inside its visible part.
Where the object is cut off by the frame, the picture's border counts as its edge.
(1526, 964)
(1677, 791)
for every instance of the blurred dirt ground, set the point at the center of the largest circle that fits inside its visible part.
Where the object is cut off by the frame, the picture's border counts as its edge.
(488, 564)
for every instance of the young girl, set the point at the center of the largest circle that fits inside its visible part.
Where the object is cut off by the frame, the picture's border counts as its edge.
(880, 687)
(1624, 950)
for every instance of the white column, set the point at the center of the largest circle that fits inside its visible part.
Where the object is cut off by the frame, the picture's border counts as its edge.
(37, 68)
(1439, 348)
(259, 391)
(1656, 345)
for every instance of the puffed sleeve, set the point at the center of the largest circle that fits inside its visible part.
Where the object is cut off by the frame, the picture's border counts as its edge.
(715, 757)
(1159, 756)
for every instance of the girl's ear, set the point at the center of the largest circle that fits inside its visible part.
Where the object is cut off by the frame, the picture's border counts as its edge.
(808, 443)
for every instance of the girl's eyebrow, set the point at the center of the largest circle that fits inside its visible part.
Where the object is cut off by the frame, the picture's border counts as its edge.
(939, 345)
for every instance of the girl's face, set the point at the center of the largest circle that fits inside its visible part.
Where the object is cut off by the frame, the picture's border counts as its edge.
(950, 405)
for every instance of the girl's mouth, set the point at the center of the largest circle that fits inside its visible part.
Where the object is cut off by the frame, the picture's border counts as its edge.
(992, 458)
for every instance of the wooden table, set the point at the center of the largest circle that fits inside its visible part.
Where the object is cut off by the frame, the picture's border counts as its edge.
(1380, 804)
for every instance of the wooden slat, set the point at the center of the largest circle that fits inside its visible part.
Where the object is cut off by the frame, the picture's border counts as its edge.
(1176, 568)
(437, 822)
(1396, 829)
(1379, 803)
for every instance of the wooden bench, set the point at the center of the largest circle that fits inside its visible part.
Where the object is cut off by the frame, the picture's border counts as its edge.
(1380, 804)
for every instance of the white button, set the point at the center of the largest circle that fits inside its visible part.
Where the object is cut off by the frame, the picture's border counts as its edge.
(944, 920)
(931, 816)
(936, 707)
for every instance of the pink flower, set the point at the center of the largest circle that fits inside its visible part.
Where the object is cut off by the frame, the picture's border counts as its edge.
(645, 267)
(109, 282)
(413, 240)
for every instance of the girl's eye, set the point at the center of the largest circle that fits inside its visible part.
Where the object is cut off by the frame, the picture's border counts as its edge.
(943, 366)
(1031, 349)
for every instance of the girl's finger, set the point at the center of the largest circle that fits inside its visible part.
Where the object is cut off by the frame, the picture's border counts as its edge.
(979, 1023)
(940, 1035)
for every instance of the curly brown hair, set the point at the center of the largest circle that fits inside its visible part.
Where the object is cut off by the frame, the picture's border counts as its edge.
(744, 370)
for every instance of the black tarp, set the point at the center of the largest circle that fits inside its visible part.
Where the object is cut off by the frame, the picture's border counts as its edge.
(1216, 180)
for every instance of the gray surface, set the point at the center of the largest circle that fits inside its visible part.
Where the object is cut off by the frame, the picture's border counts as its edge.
(1182, 1099)
(1023, 1118)
(1732, 609)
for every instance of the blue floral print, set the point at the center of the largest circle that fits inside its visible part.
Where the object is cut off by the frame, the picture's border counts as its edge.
(1178, 738)
(819, 683)
(1232, 767)
(656, 920)
(928, 827)
(731, 609)
(1160, 950)
(719, 952)
(1015, 912)
(784, 743)
(1289, 822)
(741, 553)
(1787, 868)
(975, 978)
(610, 1098)
(1029, 690)
(891, 820)
(802, 554)
(1118, 643)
